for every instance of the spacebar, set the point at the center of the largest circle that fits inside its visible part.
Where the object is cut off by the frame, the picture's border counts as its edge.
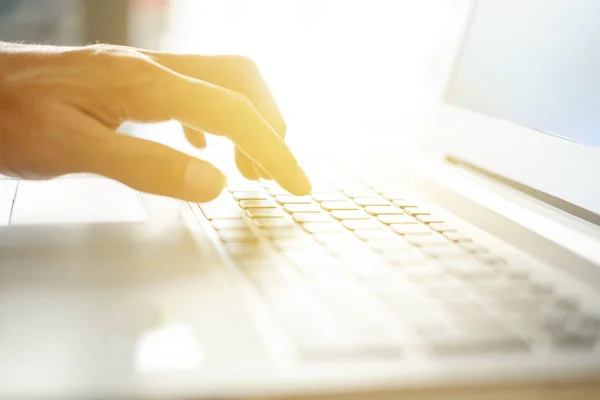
(477, 345)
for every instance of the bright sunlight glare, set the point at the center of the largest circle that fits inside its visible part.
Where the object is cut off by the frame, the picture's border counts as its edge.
(331, 63)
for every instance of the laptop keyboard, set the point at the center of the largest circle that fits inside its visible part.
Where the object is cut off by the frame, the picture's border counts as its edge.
(354, 270)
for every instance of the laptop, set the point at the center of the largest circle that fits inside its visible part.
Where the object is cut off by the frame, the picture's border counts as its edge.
(468, 267)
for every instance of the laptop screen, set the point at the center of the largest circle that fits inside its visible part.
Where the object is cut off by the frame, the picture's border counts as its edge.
(535, 63)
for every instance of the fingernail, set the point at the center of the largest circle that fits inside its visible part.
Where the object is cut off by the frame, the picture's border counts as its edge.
(203, 181)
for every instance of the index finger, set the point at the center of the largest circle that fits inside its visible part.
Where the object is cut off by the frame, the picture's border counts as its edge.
(223, 112)
(237, 73)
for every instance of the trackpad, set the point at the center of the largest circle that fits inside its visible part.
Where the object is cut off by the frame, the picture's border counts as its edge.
(75, 200)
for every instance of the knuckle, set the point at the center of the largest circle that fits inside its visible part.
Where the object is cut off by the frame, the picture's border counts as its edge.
(126, 76)
(117, 59)
(102, 49)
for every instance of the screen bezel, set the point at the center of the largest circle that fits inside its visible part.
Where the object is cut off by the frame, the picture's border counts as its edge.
(534, 157)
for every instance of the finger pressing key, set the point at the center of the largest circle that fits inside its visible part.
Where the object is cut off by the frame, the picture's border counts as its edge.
(210, 108)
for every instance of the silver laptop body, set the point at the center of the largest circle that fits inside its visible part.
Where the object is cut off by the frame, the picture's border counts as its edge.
(467, 266)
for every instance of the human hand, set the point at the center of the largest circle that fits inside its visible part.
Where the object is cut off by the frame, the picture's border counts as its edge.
(60, 108)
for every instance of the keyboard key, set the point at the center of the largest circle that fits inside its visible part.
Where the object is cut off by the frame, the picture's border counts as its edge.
(345, 183)
(481, 274)
(280, 233)
(585, 324)
(429, 328)
(311, 258)
(429, 273)
(473, 322)
(427, 240)
(387, 245)
(490, 258)
(250, 195)
(245, 204)
(383, 210)
(375, 235)
(541, 289)
(321, 197)
(520, 304)
(393, 195)
(290, 199)
(220, 208)
(440, 288)
(341, 348)
(338, 205)
(302, 208)
(414, 211)
(477, 344)
(442, 227)
(396, 219)
(311, 217)
(403, 203)
(277, 191)
(448, 251)
(246, 250)
(219, 224)
(361, 224)
(371, 201)
(462, 264)
(565, 304)
(473, 247)
(293, 244)
(342, 250)
(273, 223)
(328, 238)
(573, 341)
(321, 227)
(469, 269)
(352, 193)
(551, 322)
(513, 273)
(428, 219)
(497, 288)
(465, 308)
(237, 235)
(405, 258)
(323, 188)
(411, 229)
(264, 213)
(456, 236)
(344, 214)
(244, 186)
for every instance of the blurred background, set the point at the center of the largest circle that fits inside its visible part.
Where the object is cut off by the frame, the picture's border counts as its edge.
(334, 65)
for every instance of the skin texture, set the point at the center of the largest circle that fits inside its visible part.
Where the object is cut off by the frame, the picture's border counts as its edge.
(60, 108)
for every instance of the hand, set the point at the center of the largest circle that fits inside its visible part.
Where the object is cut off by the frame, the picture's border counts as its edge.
(60, 108)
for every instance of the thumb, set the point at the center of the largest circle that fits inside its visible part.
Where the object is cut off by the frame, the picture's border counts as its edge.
(153, 168)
